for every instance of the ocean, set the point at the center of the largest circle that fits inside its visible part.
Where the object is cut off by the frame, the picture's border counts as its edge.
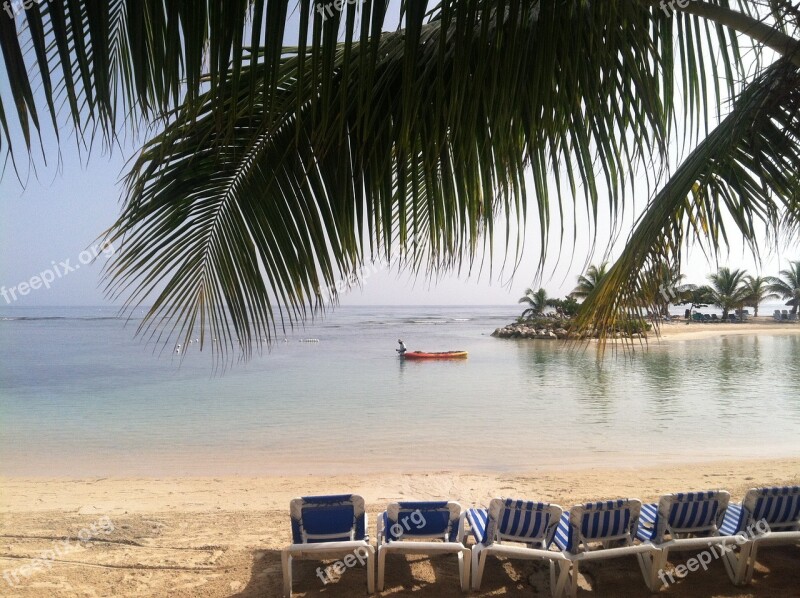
(81, 396)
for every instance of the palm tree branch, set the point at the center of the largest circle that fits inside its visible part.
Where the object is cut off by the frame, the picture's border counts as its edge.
(742, 170)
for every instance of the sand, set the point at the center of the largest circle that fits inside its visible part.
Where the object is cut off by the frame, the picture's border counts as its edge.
(222, 536)
(681, 331)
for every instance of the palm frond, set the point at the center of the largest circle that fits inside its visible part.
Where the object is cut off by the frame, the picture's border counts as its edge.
(245, 228)
(743, 171)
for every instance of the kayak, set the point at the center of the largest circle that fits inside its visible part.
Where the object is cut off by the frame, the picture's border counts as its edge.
(440, 355)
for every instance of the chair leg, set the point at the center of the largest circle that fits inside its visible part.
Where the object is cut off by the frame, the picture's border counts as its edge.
(478, 563)
(286, 564)
(558, 587)
(573, 578)
(464, 558)
(750, 563)
(652, 564)
(736, 563)
(381, 569)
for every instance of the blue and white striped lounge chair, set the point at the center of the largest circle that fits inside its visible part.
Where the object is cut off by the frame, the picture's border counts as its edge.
(611, 524)
(682, 521)
(765, 516)
(326, 527)
(519, 522)
(404, 526)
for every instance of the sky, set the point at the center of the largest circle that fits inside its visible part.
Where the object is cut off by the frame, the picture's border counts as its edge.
(52, 215)
(64, 210)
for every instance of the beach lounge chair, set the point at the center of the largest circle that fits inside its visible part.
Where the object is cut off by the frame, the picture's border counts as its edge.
(776, 315)
(682, 521)
(326, 527)
(597, 531)
(785, 315)
(507, 523)
(793, 317)
(404, 524)
(766, 516)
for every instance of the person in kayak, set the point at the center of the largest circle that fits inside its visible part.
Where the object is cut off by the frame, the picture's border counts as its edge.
(402, 348)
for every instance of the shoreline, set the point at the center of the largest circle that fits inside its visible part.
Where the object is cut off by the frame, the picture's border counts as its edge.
(670, 331)
(70, 494)
(221, 536)
(700, 331)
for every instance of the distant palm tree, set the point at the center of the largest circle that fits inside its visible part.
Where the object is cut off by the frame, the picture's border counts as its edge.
(587, 282)
(537, 302)
(727, 289)
(757, 291)
(788, 285)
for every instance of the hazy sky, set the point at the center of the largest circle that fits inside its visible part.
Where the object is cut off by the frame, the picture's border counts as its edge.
(65, 207)
(60, 214)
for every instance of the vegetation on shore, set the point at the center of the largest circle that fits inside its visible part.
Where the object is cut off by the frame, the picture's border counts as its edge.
(728, 290)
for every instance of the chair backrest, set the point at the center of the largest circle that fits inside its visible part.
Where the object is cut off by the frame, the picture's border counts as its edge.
(697, 513)
(603, 521)
(332, 518)
(529, 522)
(778, 506)
(423, 519)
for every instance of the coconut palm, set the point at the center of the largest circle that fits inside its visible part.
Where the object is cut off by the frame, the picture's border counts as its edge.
(787, 285)
(588, 282)
(757, 291)
(271, 170)
(537, 302)
(727, 290)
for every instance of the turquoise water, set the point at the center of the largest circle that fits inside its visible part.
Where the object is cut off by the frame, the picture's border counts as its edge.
(79, 395)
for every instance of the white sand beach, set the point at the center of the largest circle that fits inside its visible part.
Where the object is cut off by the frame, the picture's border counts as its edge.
(214, 537)
(680, 330)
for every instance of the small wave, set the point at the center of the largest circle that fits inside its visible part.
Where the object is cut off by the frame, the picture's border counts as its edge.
(65, 318)
(462, 319)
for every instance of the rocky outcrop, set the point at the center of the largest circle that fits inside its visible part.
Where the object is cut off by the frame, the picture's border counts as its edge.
(550, 331)
(531, 331)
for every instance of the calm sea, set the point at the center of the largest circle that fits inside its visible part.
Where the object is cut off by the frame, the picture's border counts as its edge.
(80, 396)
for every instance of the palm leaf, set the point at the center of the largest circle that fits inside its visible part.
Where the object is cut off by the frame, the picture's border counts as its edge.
(244, 228)
(742, 173)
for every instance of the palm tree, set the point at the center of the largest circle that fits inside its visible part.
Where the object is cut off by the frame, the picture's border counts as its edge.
(728, 289)
(787, 285)
(757, 291)
(273, 168)
(537, 302)
(588, 282)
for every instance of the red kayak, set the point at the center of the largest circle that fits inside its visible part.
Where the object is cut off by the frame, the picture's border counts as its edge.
(440, 355)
